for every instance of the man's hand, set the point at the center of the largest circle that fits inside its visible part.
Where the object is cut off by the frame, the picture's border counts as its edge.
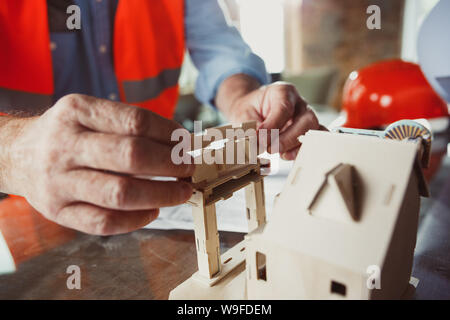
(276, 106)
(77, 165)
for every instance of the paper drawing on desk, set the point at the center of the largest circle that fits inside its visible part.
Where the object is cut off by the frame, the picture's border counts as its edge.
(230, 213)
(6, 260)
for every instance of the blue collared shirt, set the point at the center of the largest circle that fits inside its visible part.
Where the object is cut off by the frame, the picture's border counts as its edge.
(83, 61)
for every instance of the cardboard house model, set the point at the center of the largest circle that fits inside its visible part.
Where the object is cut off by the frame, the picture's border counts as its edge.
(349, 210)
(343, 227)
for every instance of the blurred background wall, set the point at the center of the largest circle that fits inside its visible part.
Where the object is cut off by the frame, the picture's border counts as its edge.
(333, 35)
(315, 44)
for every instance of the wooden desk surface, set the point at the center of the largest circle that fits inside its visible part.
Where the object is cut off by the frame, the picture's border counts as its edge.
(147, 264)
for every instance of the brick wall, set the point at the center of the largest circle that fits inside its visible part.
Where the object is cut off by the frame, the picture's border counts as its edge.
(333, 33)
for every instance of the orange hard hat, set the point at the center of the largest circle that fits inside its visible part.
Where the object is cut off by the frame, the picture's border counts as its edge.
(388, 91)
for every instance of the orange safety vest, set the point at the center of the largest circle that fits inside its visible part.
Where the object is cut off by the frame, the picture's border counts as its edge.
(148, 54)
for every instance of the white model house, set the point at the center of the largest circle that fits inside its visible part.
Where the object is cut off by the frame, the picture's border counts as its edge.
(349, 208)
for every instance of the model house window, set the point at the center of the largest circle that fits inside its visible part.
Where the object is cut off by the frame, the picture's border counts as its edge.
(338, 288)
(261, 272)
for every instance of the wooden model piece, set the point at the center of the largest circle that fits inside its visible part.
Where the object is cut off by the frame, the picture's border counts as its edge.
(213, 182)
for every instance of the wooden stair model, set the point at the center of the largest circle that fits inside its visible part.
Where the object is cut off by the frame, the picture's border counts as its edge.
(212, 182)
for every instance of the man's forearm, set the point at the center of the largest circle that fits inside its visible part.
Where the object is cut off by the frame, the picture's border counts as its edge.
(10, 128)
(231, 89)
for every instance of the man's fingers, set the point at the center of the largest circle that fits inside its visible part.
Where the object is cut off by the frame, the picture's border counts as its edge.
(280, 104)
(302, 123)
(284, 105)
(278, 107)
(114, 117)
(125, 154)
(291, 154)
(122, 192)
(100, 221)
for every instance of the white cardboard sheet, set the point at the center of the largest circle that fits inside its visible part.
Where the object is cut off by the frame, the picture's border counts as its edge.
(7, 264)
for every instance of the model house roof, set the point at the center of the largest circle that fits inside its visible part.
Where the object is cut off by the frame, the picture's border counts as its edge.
(361, 181)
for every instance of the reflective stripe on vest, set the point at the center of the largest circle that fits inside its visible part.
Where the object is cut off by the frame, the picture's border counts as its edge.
(150, 88)
(148, 54)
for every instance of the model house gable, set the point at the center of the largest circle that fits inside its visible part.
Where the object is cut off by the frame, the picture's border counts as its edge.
(336, 197)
